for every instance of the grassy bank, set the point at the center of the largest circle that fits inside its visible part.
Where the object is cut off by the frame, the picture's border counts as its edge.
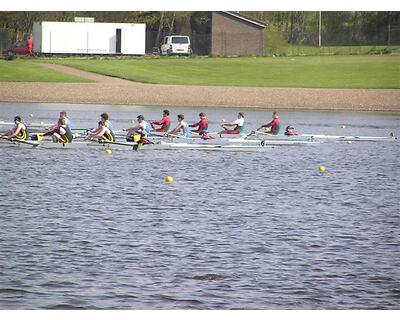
(365, 71)
(298, 50)
(369, 71)
(24, 71)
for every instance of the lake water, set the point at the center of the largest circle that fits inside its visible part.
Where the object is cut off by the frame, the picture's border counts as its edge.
(84, 230)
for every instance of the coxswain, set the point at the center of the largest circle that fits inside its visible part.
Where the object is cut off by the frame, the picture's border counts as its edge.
(18, 132)
(104, 132)
(290, 131)
(61, 131)
(181, 127)
(272, 127)
(165, 123)
(202, 125)
(238, 125)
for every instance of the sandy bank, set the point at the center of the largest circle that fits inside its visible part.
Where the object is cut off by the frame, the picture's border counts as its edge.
(108, 90)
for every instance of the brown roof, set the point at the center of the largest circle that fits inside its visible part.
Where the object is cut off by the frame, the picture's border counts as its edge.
(246, 19)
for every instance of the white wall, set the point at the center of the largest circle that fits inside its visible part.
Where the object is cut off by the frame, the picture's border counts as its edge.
(91, 38)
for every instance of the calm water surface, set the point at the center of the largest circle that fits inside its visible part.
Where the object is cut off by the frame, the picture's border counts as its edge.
(235, 230)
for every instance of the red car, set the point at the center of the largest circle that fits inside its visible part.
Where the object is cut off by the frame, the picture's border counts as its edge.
(19, 48)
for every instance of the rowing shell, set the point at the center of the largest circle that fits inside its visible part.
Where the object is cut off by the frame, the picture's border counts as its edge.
(46, 144)
(205, 147)
(132, 146)
(258, 135)
(274, 142)
(349, 138)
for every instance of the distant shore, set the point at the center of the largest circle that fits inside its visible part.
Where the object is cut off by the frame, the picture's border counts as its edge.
(109, 90)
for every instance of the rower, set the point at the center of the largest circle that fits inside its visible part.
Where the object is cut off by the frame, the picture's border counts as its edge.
(104, 132)
(182, 126)
(18, 132)
(202, 124)
(139, 132)
(238, 125)
(165, 122)
(63, 114)
(290, 131)
(61, 131)
(272, 127)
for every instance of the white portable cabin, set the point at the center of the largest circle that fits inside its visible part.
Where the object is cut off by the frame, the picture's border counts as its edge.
(89, 38)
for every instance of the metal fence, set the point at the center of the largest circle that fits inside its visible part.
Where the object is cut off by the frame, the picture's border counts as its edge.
(351, 36)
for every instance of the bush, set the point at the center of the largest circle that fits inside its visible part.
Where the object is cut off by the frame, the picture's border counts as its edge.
(274, 43)
(10, 56)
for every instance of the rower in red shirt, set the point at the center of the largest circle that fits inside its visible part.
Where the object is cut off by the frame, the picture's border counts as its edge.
(202, 124)
(165, 122)
(272, 127)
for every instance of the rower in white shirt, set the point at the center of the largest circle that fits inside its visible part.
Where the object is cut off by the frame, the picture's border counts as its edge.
(238, 125)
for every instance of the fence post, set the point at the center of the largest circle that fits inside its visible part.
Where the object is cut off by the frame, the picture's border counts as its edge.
(319, 29)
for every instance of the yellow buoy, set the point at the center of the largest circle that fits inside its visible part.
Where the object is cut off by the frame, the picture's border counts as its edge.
(343, 126)
(108, 151)
(169, 179)
(133, 121)
(322, 168)
(349, 142)
(41, 122)
(31, 115)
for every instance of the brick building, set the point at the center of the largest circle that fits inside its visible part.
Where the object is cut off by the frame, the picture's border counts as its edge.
(233, 34)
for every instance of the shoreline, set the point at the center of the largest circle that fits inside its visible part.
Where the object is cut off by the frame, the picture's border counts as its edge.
(115, 91)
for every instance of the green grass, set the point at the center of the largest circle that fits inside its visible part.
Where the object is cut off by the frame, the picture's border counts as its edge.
(23, 71)
(297, 50)
(368, 71)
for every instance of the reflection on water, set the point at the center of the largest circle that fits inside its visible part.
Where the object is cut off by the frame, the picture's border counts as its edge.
(81, 229)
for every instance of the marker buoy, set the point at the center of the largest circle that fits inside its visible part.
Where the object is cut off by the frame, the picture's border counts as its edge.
(41, 122)
(343, 126)
(108, 151)
(30, 115)
(169, 179)
(322, 168)
(349, 142)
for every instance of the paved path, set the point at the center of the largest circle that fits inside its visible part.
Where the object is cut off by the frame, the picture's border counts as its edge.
(110, 90)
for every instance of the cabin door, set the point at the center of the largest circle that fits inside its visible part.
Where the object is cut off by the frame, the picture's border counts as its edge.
(118, 41)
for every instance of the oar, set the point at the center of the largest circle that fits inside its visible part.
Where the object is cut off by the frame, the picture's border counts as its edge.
(33, 124)
(31, 143)
(264, 133)
(179, 136)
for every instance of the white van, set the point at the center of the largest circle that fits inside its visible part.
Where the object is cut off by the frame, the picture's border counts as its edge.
(176, 45)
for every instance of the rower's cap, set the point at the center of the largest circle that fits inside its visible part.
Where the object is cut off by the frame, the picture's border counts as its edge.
(140, 117)
(17, 118)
